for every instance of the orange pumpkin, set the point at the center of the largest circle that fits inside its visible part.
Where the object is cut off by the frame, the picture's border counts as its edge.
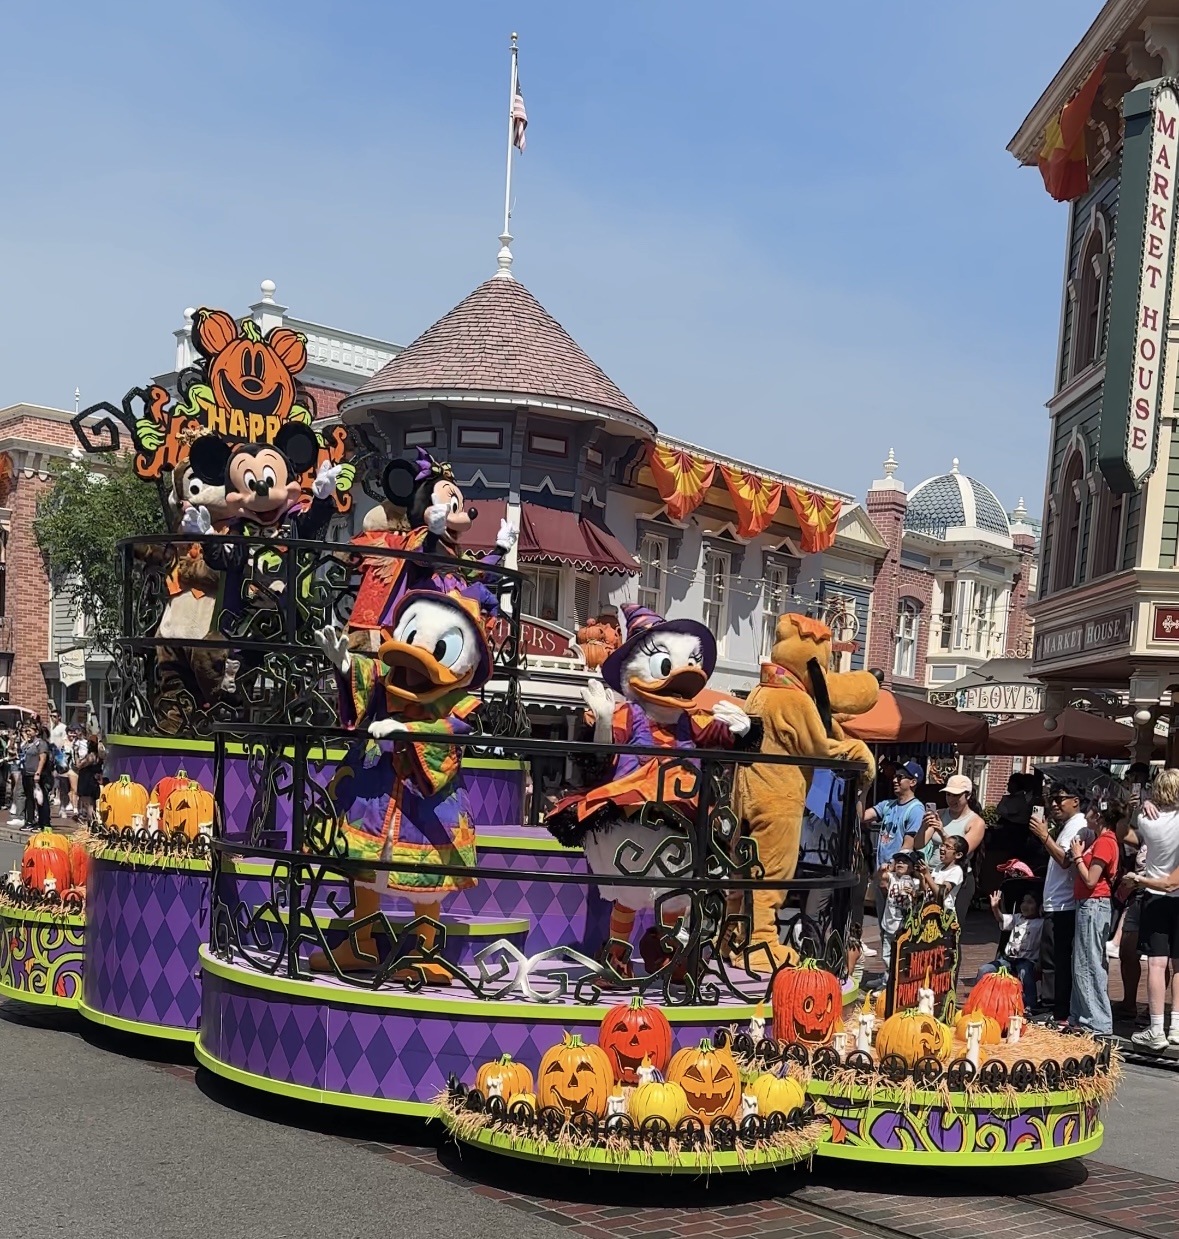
(514, 1077)
(120, 801)
(998, 995)
(186, 810)
(992, 1033)
(574, 1077)
(710, 1079)
(631, 1032)
(808, 1004)
(168, 784)
(79, 863)
(253, 375)
(213, 331)
(47, 854)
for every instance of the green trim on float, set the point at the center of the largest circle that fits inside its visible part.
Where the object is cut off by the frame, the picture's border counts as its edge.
(332, 994)
(169, 745)
(39, 1000)
(507, 843)
(490, 929)
(164, 1032)
(640, 1162)
(301, 1092)
(975, 1099)
(37, 916)
(947, 1161)
(148, 860)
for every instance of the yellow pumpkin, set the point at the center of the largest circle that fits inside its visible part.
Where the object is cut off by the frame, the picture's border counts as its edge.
(574, 1077)
(529, 1098)
(515, 1077)
(186, 810)
(710, 1079)
(120, 801)
(776, 1093)
(660, 1099)
(992, 1032)
(912, 1035)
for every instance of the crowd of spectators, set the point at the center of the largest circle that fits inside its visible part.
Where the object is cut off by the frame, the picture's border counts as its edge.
(47, 768)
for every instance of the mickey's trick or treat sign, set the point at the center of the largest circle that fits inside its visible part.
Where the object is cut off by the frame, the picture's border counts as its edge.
(924, 956)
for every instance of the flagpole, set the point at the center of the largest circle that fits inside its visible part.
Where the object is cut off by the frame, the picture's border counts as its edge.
(505, 253)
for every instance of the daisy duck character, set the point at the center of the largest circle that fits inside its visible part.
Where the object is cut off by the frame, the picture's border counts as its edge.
(397, 795)
(657, 673)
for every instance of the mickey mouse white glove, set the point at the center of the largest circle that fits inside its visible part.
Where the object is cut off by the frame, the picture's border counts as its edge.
(733, 717)
(334, 644)
(507, 536)
(385, 727)
(326, 479)
(599, 701)
(436, 515)
(196, 520)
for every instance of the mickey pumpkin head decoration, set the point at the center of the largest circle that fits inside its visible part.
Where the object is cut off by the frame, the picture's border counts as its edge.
(574, 1077)
(710, 1079)
(632, 1032)
(249, 373)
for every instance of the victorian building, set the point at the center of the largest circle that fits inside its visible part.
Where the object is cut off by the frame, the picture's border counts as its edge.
(1106, 607)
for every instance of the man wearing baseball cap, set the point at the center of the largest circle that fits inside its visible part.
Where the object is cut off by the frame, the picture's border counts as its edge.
(900, 820)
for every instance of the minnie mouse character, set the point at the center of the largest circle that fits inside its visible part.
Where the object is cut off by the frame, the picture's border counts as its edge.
(437, 516)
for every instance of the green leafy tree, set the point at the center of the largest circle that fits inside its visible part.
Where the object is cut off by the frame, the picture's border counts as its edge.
(80, 519)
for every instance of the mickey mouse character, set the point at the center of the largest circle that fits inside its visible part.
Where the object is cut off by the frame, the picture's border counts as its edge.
(438, 516)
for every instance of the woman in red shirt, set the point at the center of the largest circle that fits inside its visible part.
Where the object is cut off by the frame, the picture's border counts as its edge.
(1096, 867)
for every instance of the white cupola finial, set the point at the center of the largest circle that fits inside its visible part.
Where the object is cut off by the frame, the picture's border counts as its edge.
(890, 465)
(954, 466)
(1021, 513)
(267, 287)
(267, 313)
(504, 257)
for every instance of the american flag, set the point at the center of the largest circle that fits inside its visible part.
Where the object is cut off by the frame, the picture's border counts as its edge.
(519, 120)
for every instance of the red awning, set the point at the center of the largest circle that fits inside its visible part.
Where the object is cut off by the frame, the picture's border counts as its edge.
(548, 536)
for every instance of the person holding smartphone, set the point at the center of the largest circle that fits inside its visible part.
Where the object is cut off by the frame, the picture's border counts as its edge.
(1060, 902)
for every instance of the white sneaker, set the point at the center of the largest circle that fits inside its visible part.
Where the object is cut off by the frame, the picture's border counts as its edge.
(1148, 1040)
(16, 821)
(866, 952)
(1173, 1035)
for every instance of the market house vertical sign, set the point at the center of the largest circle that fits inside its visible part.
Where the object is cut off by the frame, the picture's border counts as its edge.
(1141, 294)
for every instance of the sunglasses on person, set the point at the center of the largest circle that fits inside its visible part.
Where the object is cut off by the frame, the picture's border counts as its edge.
(1061, 799)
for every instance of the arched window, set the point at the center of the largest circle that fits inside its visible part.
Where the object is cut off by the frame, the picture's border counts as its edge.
(1088, 288)
(1106, 531)
(904, 662)
(1068, 524)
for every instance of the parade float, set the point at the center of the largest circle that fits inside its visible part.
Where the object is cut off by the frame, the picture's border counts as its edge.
(315, 858)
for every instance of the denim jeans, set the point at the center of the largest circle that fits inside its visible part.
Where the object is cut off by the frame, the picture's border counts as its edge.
(1090, 1001)
(1025, 969)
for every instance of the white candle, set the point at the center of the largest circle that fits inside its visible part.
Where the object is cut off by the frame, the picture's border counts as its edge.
(839, 1044)
(748, 1105)
(974, 1031)
(925, 999)
(50, 883)
(864, 1032)
(1014, 1028)
(757, 1023)
(615, 1105)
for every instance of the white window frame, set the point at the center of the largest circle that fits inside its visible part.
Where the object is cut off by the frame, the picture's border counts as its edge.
(533, 576)
(946, 635)
(904, 659)
(653, 556)
(775, 591)
(718, 570)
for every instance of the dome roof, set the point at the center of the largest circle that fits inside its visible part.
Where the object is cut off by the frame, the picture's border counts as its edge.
(955, 501)
(499, 341)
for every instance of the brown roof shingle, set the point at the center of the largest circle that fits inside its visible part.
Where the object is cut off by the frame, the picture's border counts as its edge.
(499, 339)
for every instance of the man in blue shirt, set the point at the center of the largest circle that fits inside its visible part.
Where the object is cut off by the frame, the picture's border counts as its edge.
(900, 820)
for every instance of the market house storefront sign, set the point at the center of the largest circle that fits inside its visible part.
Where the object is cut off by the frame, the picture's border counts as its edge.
(1141, 293)
(1002, 699)
(1099, 633)
(1165, 626)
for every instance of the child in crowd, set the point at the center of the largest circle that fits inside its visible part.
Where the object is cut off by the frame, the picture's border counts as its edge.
(943, 883)
(899, 883)
(1022, 952)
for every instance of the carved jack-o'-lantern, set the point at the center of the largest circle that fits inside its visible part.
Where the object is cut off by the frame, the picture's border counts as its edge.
(45, 864)
(710, 1079)
(256, 376)
(912, 1035)
(808, 1004)
(574, 1077)
(631, 1032)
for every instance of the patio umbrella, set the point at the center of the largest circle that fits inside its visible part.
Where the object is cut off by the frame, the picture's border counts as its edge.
(1076, 733)
(911, 720)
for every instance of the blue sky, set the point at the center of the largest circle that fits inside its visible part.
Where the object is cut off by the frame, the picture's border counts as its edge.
(791, 236)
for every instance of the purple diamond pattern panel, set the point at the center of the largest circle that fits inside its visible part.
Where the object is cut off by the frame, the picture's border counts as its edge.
(144, 931)
(373, 1052)
(496, 797)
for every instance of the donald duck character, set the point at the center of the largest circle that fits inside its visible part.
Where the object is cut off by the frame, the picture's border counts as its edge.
(397, 795)
(657, 673)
